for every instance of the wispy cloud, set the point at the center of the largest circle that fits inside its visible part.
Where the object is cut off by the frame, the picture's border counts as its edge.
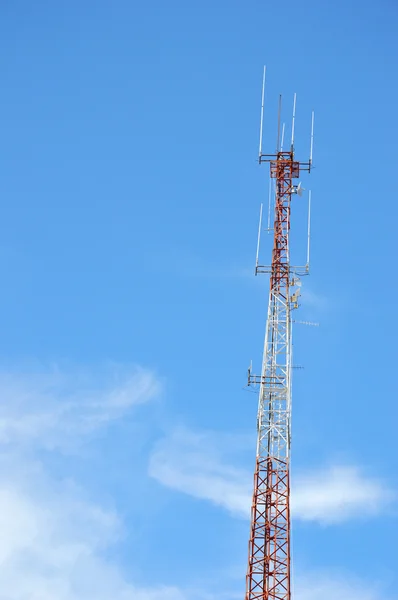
(338, 493)
(196, 464)
(329, 586)
(193, 463)
(51, 407)
(56, 542)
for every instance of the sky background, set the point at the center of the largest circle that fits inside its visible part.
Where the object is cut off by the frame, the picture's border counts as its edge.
(129, 311)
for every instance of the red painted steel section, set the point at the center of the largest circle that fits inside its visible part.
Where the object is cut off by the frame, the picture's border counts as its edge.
(269, 546)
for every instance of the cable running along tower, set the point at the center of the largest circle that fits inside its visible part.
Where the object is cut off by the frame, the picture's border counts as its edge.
(269, 568)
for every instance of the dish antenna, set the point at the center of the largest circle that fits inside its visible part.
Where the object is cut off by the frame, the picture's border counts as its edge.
(298, 189)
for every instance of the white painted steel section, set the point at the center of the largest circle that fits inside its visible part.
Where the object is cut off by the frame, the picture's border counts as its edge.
(274, 409)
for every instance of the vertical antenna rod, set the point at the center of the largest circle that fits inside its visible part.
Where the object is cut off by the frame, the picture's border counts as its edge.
(283, 137)
(279, 123)
(269, 205)
(259, 235)
(293, 121)
(262, 113)
(309, 230)
(269, 564)
(312, 138)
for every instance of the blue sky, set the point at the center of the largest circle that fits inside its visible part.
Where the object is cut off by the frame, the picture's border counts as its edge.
(129, 311)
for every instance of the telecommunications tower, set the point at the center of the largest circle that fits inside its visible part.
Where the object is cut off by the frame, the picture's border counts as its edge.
(269, 568)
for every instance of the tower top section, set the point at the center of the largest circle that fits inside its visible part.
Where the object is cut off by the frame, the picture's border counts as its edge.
(281, 154)
(285, 169)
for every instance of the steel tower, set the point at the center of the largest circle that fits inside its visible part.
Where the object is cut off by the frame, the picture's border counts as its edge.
(269, 568)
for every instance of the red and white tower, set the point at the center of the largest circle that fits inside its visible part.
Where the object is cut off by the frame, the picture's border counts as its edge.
(269, 571)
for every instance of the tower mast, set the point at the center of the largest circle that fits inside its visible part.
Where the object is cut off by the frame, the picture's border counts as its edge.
(268, 574)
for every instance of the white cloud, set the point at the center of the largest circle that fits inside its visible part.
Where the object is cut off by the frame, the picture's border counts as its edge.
(338, 493)
(55, 543)
(51, 408)
(194, 464)
(336, 585)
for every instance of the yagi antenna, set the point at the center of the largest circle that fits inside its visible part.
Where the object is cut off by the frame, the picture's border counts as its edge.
(293, 120)
(309, 230)
(312, 138)
(306, 323)
(262, 114)
(259, 235)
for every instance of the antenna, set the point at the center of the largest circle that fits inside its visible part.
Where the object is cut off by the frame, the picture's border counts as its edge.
(279, 124)
(269, 205)
(312, 138)
(309, 230)
(299, 190)
(249, 373)
(283, 136)
(259, 235)
(262, 114)
(293, 120)
(306, 323)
